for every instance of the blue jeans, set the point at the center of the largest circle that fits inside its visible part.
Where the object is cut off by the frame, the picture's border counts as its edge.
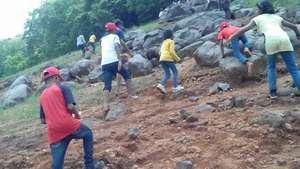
(290, 60)
(166, 65)
(58, 150)
(110, 71)
(235, 43)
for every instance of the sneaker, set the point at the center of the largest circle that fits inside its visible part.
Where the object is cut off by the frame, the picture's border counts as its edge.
(273, 95)
(161, 88)
(178, 88)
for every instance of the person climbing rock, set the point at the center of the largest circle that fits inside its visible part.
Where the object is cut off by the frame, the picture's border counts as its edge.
(226, 30)
(81, 44)
(112, 63)
(168, 58)
(277, 42)
(58, 111)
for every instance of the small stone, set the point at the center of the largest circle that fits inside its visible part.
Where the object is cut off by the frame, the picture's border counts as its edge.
(288, 127)
(239, 101)
(184, 114)
(218, 87)
(184, 164)
(133, 133)
(281, 162)
(172, 120)
(193, 98)
(227, 104)
(204, 108)
(203, 122)
(192, 119)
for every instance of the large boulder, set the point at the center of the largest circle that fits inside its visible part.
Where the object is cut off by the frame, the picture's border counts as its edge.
(256, 40)
(139, 66)
(95, 76)
(237, 71)
(138, 40)
(189, 50)
(197, 2)
(81, 68)
(65, 74)
(174, 11)
(153, 38)
(244, 12)
(15, 95)
(209, 54)
(189, 35)
(21, 80)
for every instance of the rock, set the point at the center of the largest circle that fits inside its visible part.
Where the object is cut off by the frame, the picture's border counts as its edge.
(95, 76)
(189, 50)
(138, 40)
(227, 104)
(203, 122)
(256, 41)
(209, 54)
(21, 80)
(197, 2)
(69, 84)
(298, 17)
(15, 95)
(244, 12)
(118, 110)
(187, 34)
(210, 37)
(81, 68)
(153, 38)
(152, 53)
(139, 66)
(172, 120)
(239, 101)
(175, 11)
(65, 74)
(235, 70)
(204, 108)
(184, 114)
(184, 164)
(218, 87)
(274, 119)
(133, 133)
(192, 119)
(193, 98)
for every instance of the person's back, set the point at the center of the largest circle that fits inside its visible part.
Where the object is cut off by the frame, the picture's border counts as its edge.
(109, 53)
(92, 38)
(80, 40)
(167, 51)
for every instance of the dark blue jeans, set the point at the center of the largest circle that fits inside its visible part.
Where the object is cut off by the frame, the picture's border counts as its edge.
(235, 43)
(58, 150)
(290, 60)
(167, 66)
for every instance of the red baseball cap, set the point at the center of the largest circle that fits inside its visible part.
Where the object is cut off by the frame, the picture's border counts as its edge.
(49, 72)
(224, 25)
(111, 26)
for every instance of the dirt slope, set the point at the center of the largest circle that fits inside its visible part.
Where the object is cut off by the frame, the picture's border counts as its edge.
(227, 141)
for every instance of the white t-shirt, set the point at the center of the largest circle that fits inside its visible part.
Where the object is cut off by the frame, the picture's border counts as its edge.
(109, 53)
(80, 40)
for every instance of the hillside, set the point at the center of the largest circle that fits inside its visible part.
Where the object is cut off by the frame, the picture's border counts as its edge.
(237, 128)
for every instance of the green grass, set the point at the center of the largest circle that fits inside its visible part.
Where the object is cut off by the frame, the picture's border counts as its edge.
(147, 26)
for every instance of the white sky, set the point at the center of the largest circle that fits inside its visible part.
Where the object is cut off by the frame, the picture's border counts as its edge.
(13, 15)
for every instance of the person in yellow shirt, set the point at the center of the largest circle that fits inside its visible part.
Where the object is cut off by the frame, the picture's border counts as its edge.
(92, 41)
(277, 42)
(168, 58)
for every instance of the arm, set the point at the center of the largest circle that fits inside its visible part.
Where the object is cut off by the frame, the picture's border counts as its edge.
(291, 26)
(244, 29)
(222, 48)
(173, 52)
(69, 100)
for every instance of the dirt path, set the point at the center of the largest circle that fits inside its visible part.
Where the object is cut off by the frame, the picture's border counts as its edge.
(226, 141)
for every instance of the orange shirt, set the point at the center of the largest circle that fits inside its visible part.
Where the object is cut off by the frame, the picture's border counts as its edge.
(227, 32)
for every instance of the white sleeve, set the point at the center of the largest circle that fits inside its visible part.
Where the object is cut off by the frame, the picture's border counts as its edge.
(117, 40)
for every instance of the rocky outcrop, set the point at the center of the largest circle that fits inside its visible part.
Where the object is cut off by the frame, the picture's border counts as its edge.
(16, 95)
(174, 11)
(21, 80)
(139, 66)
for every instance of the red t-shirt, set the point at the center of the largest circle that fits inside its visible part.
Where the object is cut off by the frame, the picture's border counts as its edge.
(227, 32)
(59, 120)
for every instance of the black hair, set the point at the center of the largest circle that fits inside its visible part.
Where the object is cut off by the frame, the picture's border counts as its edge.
(118, 23)
(168, 34)
(265, 7)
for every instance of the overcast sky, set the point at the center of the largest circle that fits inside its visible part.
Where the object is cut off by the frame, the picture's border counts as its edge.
(13, 15)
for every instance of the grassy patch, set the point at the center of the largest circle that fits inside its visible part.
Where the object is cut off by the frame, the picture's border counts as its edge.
(147, 26)
(285, 3)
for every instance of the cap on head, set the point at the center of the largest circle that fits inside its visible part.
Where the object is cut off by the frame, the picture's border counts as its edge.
(224, 25)
(110, 26)
(50, 72)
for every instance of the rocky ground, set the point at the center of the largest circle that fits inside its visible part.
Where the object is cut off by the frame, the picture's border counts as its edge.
(211, 136)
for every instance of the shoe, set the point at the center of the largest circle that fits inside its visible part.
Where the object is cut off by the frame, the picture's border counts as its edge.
(250, 68)
(273, 95)
(178, 88)
(161, 88)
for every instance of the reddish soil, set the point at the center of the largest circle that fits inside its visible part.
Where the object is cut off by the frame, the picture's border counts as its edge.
(227, 141)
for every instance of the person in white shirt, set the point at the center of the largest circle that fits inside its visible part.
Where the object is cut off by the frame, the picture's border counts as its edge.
(81, 44)
(111, 62)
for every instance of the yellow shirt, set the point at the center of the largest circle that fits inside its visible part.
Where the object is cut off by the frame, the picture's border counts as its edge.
(92, 38)
(167, 51)
(276, 39)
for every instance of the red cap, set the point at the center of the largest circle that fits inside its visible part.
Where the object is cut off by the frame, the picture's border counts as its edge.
(49, 72)
(224, 25)
(111, 26)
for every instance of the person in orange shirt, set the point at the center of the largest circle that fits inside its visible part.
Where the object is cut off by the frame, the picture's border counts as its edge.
(226, 30)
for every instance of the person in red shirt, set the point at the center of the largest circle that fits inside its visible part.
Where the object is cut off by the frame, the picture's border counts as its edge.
(58, 111)
(226, 30)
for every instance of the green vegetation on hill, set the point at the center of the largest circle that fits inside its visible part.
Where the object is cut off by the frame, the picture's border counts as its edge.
(285, 3)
